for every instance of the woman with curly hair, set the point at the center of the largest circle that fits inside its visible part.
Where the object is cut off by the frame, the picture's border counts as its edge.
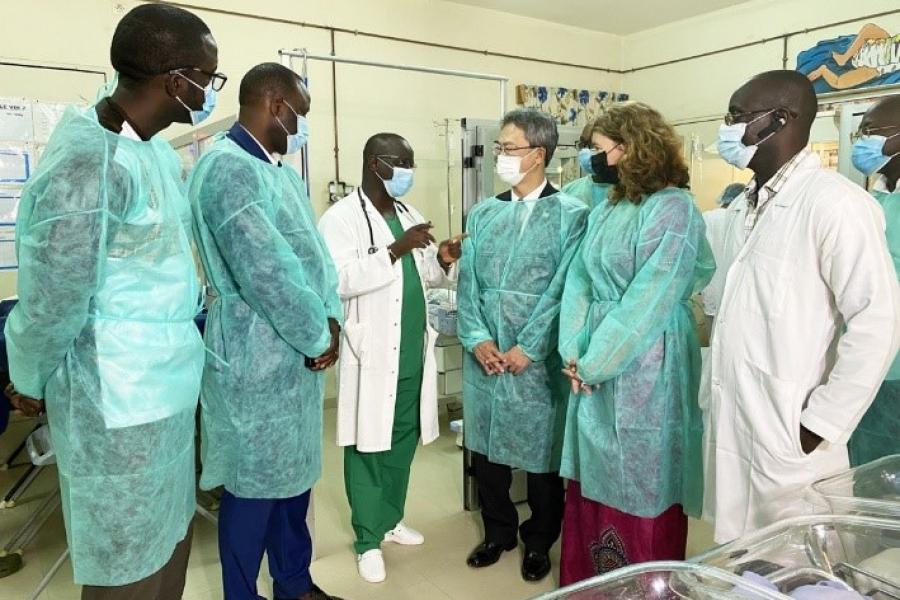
(632, 447)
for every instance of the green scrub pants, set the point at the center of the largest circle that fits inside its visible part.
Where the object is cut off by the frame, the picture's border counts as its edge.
(376, 482)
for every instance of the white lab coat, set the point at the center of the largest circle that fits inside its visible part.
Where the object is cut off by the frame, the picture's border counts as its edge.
(806, 329)
(371, 288)
(717, 222)
(716, 226)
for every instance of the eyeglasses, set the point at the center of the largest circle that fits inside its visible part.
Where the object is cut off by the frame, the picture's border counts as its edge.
(217, 80)
(392, 160)
(731, 118)
(499, 148)
(866, 131)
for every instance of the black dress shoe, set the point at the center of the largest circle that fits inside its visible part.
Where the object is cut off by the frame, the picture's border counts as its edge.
(535, 565)
(487, 553)
(316, 594)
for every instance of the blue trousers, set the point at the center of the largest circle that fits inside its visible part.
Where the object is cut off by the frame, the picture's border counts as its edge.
(247, 528)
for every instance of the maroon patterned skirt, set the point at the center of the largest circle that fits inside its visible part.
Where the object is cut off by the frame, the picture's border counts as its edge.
(597, 539)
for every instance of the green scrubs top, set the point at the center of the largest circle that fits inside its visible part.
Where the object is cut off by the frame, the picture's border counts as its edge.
(412, 327)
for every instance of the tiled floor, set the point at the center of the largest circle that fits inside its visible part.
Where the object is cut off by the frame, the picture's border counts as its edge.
(435, 571)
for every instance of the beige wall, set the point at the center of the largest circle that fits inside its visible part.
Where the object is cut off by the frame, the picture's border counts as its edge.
(77, 33)
(700, 89)
(369, 100)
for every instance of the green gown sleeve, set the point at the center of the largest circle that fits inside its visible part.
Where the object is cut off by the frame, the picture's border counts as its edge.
(63, 227)
(576, 304)
(471, 327)
(333, 306)
(270, 276)
(667, 256)
(536, 338)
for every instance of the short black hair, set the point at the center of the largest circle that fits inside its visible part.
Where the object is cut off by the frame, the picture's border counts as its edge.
(888, 104)
(267, 79)
(382, 143)
(153, 39)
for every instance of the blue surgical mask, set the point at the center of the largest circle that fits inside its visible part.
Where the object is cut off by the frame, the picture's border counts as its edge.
(584, 159)
(296, 141)
(868, 153)
(209, 102)
(731, 145)
(400, 182)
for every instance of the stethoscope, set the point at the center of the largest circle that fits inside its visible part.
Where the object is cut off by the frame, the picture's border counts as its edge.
(362, 204)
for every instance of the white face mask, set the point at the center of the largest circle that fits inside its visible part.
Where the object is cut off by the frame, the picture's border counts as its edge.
(509, 168)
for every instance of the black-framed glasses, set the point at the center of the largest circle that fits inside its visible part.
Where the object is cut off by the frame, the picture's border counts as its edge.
(499, 148)
(216, 80)
(866, 131)
(731, 118)
(393, 160)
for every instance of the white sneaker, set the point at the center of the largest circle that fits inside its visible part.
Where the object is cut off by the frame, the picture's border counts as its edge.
(405, 536)
(370, 565)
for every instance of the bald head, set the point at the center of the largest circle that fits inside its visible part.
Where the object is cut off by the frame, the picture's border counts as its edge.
(789, 90)
(778, 109)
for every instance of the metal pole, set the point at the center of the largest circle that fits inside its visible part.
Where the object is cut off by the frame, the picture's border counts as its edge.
(49, 576)
(399, 67)
(287, 59)
(15, 542)
(20, 486)
(501, 79)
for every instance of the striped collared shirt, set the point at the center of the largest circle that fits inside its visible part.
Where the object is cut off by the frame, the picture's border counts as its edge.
(758, 200)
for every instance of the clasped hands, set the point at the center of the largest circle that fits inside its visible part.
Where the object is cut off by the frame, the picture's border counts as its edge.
(28, 406)
(331, 355)
(495, 362)
(578, 384)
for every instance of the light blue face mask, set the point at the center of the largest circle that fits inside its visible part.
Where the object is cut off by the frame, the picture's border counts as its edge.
(584, 159)
(209, 102)
(731, 145)
(400, 182)
(868, 153)
(296, 141)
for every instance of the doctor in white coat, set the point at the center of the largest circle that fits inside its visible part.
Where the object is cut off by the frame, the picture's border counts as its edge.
(809, 317)
(386, 259)
(716, 225)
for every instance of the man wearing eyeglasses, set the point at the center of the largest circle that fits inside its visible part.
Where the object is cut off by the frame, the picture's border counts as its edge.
(103, 331)
(876, 152)
(512, 275)
(809, 317)
(386, 258)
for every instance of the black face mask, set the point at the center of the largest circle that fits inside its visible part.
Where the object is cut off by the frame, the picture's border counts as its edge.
(603, 172)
